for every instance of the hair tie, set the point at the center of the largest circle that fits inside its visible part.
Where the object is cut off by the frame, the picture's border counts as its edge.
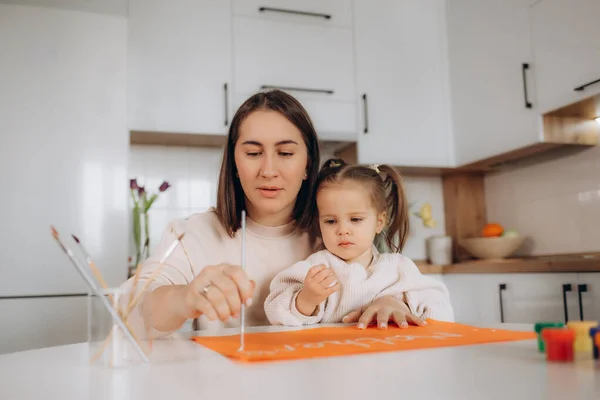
(375, 167)
(334, 164)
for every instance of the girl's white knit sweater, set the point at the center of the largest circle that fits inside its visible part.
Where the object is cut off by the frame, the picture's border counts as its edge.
(388, 275)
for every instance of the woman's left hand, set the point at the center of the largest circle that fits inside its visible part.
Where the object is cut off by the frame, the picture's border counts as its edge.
(383, 310)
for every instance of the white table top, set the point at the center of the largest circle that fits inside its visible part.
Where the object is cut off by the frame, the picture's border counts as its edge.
(182, 369)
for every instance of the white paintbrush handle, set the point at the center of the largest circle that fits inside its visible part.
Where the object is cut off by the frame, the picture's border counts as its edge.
(243, 262)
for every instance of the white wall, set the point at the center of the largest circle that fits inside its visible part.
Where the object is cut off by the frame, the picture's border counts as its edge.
(194, 171)
(555, 203)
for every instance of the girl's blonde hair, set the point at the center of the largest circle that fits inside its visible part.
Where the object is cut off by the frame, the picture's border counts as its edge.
(386, 187)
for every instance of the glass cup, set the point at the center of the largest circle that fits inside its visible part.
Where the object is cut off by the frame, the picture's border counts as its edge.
(108, 344)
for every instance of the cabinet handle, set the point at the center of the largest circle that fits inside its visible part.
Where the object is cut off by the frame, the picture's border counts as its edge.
(566, 288)
(525, 67)
(366, 112)
(501, 288)
(282, 10)
(226, 104)
(42, 296)
(580, 88)
(581, 289)
(297, 89)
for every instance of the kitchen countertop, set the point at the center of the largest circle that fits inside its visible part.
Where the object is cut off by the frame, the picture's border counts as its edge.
(181, 369)
(555, 263)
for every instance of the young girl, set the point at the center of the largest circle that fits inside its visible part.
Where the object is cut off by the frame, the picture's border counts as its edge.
(355, 204)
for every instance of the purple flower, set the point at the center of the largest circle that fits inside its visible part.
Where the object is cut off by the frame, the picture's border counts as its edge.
(141, 191)
(164, 186)
(133, 184)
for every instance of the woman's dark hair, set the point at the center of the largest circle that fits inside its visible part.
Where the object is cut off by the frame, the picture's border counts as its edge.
(384, 184)
(230, 195)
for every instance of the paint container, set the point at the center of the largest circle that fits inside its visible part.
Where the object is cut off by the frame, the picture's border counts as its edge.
(541, 326)
(559, 344)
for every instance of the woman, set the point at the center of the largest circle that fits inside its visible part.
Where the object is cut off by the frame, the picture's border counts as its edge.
(269, 169)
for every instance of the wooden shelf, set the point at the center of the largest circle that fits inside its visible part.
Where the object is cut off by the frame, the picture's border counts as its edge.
(544, 264)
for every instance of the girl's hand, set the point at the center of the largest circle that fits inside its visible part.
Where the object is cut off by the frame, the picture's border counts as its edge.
(320, 282)
(218, 292)
(383, 310)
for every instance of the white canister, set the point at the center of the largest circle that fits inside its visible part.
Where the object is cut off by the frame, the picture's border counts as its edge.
(439, 250)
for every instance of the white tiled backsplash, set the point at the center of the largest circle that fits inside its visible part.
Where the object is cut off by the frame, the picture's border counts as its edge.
(555, 203)
(193, 173)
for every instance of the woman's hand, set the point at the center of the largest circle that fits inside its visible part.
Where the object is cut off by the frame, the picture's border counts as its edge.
(383, 310)
(218, 292)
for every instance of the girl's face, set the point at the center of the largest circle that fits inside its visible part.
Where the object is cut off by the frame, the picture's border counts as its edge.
(348, 221)
(271, 158)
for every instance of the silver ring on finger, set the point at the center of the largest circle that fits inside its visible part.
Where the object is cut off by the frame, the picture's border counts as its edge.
(206, 288)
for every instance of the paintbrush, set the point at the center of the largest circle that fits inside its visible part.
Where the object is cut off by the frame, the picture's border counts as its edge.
(136, 278)
(154, 274)
(91, 263)
(113, 312)
(243, 264)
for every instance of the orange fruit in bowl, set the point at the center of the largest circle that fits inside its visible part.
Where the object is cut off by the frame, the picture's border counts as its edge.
(492, 230)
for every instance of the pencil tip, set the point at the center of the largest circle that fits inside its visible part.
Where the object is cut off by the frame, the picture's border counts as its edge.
(54, 231)
(181, 236)
(75, 238)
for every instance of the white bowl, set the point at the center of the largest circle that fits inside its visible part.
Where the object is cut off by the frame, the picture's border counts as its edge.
(490, 248)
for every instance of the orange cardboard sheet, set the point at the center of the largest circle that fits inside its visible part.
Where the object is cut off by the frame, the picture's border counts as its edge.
(348, 340)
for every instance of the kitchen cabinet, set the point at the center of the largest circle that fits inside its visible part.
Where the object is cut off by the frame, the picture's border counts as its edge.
(321, 75)
(475, 297)
(64, 126)
(492, 71)
(530, 298)
(42, 322)
(107, 7)
(588, 290)
(402, 82)
(330, 13)
(513, 298)
(437, 277)
(63, 161)
(566, 50)
(179, 66)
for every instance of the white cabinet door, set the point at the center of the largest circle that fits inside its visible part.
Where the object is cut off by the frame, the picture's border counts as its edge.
(494, 109)
(588, 284)
(475, 298)
(42, 322)
(330, 13)
(531, 298)
(333, 120)
(512, 298)
(437, 277)
(567, 50)
(313, 63)
(402, 81)
(63, 148)
(179, 68)
(108, 7)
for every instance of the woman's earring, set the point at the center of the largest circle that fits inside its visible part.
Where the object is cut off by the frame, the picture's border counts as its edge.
(305, 175)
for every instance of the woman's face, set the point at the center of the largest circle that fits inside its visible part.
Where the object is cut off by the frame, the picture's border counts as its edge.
(271, 158)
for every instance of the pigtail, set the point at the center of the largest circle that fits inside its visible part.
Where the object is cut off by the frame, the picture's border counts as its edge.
(330, 170)
(396, 208)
